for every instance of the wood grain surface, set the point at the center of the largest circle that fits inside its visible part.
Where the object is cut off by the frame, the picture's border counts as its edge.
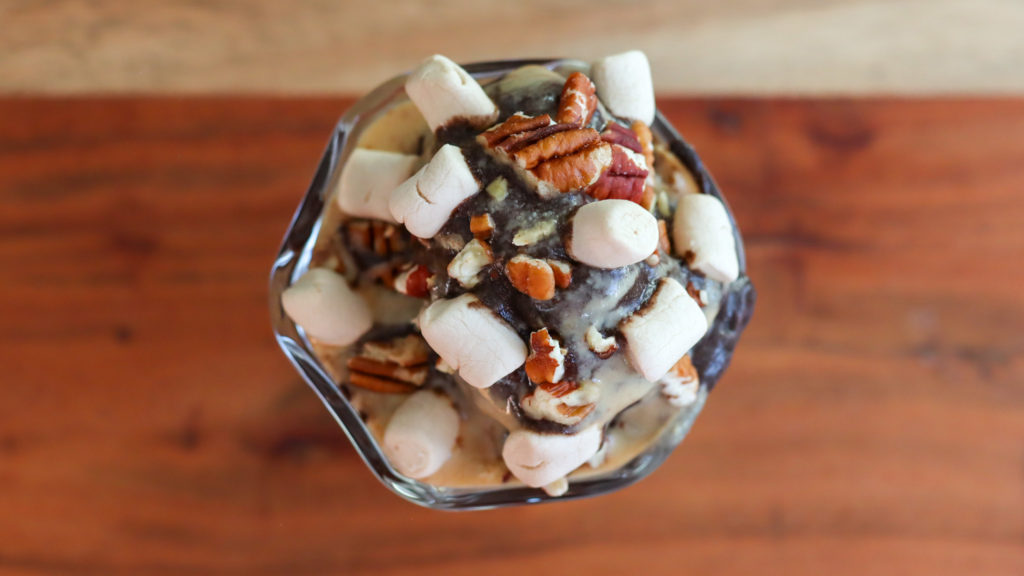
(349, 46)
(872, 422)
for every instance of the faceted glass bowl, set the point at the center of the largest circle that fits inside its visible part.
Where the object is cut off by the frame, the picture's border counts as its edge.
(294, 258)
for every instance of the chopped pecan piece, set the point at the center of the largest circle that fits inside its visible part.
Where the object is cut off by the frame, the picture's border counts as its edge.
(600, 345)
(469, 262)
(578, 100)
(546, 362)
(565, 402)
(380, 238)
(396, 366)
(406, 351)
(413, 282)
(664, 244)
(576, 413)
(531, 276)
(646, 140)
(680, 385)
(559, 389)
(482, 226)
(562, 271)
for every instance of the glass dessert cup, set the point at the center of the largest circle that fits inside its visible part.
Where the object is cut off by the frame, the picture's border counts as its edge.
(295, 258)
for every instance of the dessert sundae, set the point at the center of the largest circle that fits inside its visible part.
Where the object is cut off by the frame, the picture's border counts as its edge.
(516, 281)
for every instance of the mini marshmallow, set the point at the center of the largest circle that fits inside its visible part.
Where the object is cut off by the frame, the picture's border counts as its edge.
(612, 233)
(367, 180)
(624, 85)
(668, 325)
(425, 201)
(702, 228)
(326, 308)
(472, 339)
(443, 92)
(539, 459)
(421, 434)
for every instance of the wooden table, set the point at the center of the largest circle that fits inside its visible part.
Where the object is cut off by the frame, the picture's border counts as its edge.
(872, 422)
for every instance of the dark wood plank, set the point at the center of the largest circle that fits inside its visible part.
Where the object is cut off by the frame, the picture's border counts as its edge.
(873, 421)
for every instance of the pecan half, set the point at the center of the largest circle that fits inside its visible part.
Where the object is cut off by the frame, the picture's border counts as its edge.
(515, 124)
(546, 362)
(576, 171)
(624, 179)
(615, 133)
(554, 146)
(578, 100)
(523, 139)
(531, 276)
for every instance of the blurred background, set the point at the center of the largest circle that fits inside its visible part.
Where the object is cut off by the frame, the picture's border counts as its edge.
(151, 156)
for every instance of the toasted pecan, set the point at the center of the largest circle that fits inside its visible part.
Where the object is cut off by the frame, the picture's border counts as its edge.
(531, 276)
(578, 100)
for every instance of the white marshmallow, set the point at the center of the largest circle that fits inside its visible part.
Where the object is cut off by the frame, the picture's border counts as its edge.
(367, 180)
(425, 201)
(443, 91)
(421, 434)
(702, 227)
(472, 339)
(668, 325)
(540, 459)
(612, 233)
(624, 85)
(326, 308)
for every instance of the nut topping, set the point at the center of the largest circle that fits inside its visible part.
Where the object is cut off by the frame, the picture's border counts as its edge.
(482, 226)
(600, 345)
(562, 271)
(534, 234)
(531, 276)
(567, 403)
(623, 180)
(546, 362)
(555, 146)
(467, 264)
(414, 282)
(681, 383)
(406, 351)
(575, 171)
(397, 366)
(515, 124)
(646, 140)
(663, 242)
(615, 133)
(578, 100)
